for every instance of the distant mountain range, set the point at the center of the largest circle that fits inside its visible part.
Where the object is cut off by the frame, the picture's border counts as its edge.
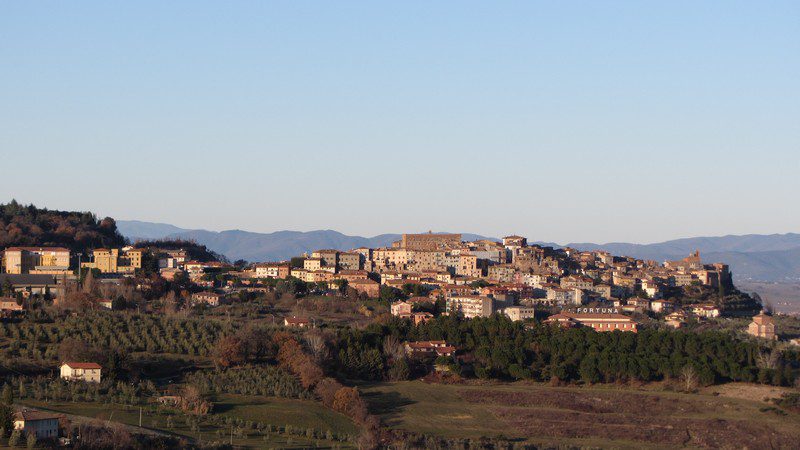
(774, 257)
(280, 245)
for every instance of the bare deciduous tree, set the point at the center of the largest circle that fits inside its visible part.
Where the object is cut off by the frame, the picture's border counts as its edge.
(316, 344)
(689, 378)
(393, 348)
(768, 359)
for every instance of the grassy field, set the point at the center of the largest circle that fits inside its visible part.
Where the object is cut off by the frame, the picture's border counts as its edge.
(606, 416)
(299, 414)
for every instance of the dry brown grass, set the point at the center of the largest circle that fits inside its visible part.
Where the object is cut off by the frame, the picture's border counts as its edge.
(602, 416)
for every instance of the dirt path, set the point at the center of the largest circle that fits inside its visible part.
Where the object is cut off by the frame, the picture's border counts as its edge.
(76, 419)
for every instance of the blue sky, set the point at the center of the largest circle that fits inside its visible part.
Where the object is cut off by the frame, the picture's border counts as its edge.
(563, 121)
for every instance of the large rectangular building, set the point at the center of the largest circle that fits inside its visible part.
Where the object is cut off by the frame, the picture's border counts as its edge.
(598, 321)
(112, 260)
(470, 306)
(36, 260)
(430, 241)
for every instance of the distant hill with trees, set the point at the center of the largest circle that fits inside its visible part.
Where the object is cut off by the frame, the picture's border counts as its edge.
(29, 226)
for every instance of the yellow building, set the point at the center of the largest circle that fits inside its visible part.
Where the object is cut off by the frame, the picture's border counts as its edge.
(36, 260)
(115, 261)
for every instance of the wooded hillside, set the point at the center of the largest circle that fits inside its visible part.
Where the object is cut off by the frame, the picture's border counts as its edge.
(29, 226)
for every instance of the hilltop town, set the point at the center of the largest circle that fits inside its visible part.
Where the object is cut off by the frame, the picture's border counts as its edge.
(472, 279)
(172, 328)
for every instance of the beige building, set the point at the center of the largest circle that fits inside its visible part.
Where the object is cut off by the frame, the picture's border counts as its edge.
(708, 311)
(577, 281)
(272, 270)
(112, 260)
(350, 261)
(662, 306)
(516, 313)
(312, 264)
(468, 266)
(207, 297)
(762, 326)
(502, 273)
(78, 371)
(36, 260)
(393, 258)
(430, 241)
(41, 424)
(470, 306)
(328, 258)
(316, 276)
(596, 321)
(401, 309)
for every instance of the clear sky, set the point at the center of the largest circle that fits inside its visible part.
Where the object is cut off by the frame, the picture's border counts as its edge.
(565, 121)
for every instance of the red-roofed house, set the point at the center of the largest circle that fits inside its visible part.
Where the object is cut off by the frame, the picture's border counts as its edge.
(429, 348)
(41, 424)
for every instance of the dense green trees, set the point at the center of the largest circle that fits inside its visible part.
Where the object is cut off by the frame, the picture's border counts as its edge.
(500, 348)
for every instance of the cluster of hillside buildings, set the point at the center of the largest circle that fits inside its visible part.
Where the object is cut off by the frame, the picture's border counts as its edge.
(36, 270)
(475, 279)
(483, 277)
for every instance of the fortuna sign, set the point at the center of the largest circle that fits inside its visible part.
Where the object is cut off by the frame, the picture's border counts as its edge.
(597, 310)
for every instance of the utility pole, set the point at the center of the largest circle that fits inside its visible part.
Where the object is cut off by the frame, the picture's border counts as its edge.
(140, 417)
(231, 435)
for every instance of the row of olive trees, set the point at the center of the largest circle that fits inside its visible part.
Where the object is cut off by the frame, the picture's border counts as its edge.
(129, 332)
(249, 380)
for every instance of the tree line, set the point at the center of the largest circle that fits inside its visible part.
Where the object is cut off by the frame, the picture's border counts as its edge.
(499, 348)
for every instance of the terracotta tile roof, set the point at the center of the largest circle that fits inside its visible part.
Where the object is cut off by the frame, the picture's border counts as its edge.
(296, 320)
(83, 365)
(30, 414)
(37, 249)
